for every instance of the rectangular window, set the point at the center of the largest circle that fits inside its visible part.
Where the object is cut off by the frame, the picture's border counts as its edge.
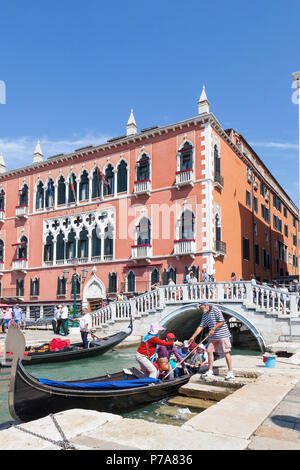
(246, 249)
(248, 199)
(285, 212)
(295, 240)
(286, 231)
(255, 204)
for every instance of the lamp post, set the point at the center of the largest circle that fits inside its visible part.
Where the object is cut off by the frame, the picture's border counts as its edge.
(75, 278)
(296, 78)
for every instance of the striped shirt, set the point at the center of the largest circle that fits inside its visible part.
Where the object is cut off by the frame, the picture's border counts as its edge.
(210, 320)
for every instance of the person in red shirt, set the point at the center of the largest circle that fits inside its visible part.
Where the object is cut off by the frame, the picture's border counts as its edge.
(146, 352)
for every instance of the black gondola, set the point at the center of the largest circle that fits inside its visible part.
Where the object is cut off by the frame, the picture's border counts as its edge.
(77, 352)
(30, 399)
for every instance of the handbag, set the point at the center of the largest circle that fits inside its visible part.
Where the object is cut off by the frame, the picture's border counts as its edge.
(163, 364)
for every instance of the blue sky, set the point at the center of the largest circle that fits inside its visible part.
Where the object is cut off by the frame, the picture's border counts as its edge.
(73, 70)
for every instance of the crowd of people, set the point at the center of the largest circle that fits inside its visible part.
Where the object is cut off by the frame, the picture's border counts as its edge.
(12, 315)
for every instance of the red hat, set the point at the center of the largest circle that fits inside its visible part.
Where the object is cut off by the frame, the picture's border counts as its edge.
(171, 336)
(192, 346)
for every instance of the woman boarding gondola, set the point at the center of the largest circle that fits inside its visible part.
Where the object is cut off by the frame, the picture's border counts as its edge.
(146, 352)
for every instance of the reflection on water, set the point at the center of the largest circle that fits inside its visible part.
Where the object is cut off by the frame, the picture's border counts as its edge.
(112, 361)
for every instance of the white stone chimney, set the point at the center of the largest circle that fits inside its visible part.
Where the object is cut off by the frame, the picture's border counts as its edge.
(38, 154)
(203, 103)
(131, 127)
(2, 164)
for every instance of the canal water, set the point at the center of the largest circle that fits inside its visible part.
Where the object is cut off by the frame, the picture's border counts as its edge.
(112, 361)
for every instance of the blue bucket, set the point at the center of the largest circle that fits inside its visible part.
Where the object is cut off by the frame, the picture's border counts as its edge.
(271, 361)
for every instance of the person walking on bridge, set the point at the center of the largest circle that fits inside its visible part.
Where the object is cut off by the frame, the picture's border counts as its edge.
(219, 337)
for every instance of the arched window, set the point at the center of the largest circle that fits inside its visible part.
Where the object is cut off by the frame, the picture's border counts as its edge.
(84, 187)
(96, 243)
(109, 187)
(34, 287)
(49, 194)
(131, 282)
(60, 246)
(61, 191)
(143, 232)
(218, 235)
(83, 245)
(108, 240)
(39, 198)
(22, 249)
(2, 200)
(72, 188)
(1, 251)
(48, 248)
(23, 196)
(112, 283)
(143, 168)
(96, 183)
(217, 161)
(61, 286)
(122, 177)
(170, 274)
(187, 225)
(154, 276)
(71, 245)
(186, 157)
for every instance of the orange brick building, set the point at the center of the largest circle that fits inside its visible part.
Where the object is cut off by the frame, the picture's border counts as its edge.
(140, 209)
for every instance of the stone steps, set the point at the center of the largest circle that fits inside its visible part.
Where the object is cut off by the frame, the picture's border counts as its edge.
(218, 381)
(190, 402)
(205, 391)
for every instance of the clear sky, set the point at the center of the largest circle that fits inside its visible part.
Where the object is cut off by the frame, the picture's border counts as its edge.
(74, 69)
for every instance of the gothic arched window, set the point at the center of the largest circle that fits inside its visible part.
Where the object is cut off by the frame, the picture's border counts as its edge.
(84, 186)
(143, 232)
(39, 199)
(122, 177)
(61, 191)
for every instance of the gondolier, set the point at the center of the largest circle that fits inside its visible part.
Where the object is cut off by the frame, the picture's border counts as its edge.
(219, 337)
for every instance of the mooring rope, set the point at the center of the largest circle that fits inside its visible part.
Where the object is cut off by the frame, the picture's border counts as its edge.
(64, 444)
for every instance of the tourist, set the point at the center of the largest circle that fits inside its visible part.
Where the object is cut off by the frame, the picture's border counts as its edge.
(17, 316)
(184, 350)
(56, 322)
(64, 315)
(85, 325)
(165, 352)
(192, 278)
(7, 318)
(233, 279)
(2, 319)
(219, 337)
(120, 297)
(171, 282)
(146, 352)
(198, 359)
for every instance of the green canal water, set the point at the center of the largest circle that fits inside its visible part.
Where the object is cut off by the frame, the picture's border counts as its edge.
(112, 361)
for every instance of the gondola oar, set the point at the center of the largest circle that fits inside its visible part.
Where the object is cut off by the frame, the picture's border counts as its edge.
(185, 357)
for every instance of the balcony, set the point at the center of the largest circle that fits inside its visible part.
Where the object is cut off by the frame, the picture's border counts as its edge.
(218, 181)
(184, 177)
(20, 264)
(141, 252)
(22, 211)
(142, 187)
(220, 248)
(185, 247)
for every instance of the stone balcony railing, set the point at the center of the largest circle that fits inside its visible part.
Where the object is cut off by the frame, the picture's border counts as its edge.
(142, 187)
(218, 181)
(19, 264)
(184, 177)
(141, 251)
(184, 247)
(22, 211)
(220, 248)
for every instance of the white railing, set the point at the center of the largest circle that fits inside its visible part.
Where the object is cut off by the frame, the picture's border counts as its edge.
(22, 211)
(262, 298)
(19, 264)
(142, 187)
(183, 247)
(2, 215)
(184, 177)
(141, 251)
(1, 266)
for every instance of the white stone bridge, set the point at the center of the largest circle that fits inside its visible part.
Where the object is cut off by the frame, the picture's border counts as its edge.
(271, 315)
